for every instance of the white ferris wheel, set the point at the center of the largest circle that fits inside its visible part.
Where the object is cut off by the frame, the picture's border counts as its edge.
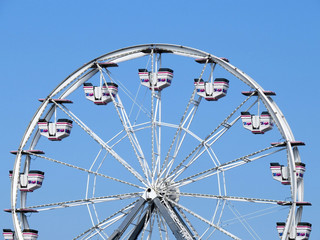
(158, 141)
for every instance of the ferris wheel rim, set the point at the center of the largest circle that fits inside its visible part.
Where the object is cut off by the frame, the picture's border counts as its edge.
(115, 56)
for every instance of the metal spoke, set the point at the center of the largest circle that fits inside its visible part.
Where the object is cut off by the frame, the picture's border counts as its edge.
(225, 166)
(185, 128)
(203, 219)
(86, 170)
(152, 116)
(122, 114)
(233, 198)
(85, 201)
(102, 143)
(129, 94)
(157, 132)
(191, 101)
(224, 124)
(207, 148)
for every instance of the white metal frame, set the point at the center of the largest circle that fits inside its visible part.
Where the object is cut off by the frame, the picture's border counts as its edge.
(153, 174)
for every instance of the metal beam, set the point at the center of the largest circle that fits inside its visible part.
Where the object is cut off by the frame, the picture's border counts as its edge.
(174, 221)
(183, 223)
(142, 223)
(127, 221)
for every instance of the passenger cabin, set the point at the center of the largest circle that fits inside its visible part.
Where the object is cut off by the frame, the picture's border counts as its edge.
(157, 81)
(30, 234)
(30, 182)
(303, 230)
(280, 228)
(100, 95)
(212, 91)
(8, 234)
(257, 124)
(144, 77)
(281, 173)
(55, 131)
(300, 169)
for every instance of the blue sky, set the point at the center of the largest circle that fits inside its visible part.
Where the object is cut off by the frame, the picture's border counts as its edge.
(275, 42)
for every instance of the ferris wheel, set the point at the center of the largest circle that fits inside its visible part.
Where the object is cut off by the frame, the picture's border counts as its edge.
(158, 141)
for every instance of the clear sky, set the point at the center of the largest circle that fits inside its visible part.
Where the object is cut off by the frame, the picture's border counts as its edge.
(275, 42)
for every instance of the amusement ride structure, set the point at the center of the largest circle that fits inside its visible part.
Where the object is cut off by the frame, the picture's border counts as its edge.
(158, 141)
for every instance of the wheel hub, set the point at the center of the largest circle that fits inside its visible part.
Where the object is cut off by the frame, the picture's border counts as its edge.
(163, 188)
